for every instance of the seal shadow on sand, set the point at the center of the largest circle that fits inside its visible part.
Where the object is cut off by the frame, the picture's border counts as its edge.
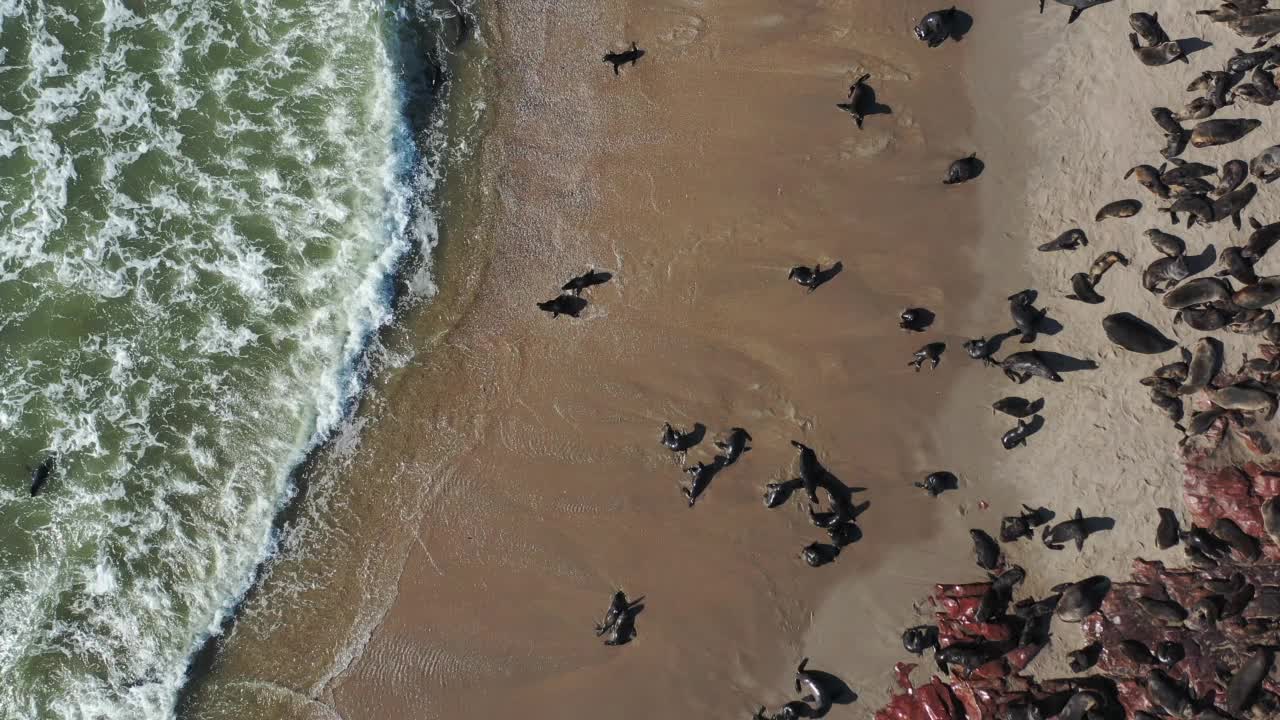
(822, 277)
(1034, 426)
(1192, 45)
(873, 105)
(961, 24)
(1201, 261)
(1060, 363)
(995, 341)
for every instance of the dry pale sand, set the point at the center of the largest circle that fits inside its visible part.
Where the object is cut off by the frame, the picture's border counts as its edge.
(507, 478)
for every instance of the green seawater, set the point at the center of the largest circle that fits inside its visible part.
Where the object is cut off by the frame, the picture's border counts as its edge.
(201, 207)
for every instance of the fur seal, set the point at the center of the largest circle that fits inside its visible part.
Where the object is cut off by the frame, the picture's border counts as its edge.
(701, 475)
(1137, 652)
(777, 493)
(1215, 84)
(1165, 273)
(1209, 133)
(1232, 203)
(1242, 62)
(859, 96)
(931, 352)
(817, 554)
(1069, 240)
(1198, 206)
(1171, 405)
(1235, 264)
(985, 550)
(1149, 178)
(811, 473)
(1167, 693)
(1197, 109)
(1202, 367)
(979, 349)
(1147, 25)
(1077, 7)
(1022, 366)
(1157, 55)
(1251, 93)
(1080, 661)
(1016, 527)
(843, 534)
(1233, 175)
(1258, 295)
(1248, 399)
(1244, 544)
(812, 684)
(1081, 599)
(1266, 165)
(1271, 517)
(1025, 316)
(1183, 170)
(1135, 335)
(1167, 121)
(617, 606)
(1251, 322)
(588, 279)
(963, 170)
(1175, 144)
(1016, 436)
(1017, 407)
(1118, 209)
(913, 319)
(1191, 186)
(1166, 244)
(1263, 25)
(966, 656)
(935, 27)
(570, 305)
(1073, 530)
(916, 640)
(937, 483)
(1203, 319)
(1197, 292)
(618, 59)
(1104, 262)
(1201, 422)
(42, 474)
(733, 446)
(1082, 287)
(1261, 239)
(675, 440)
(811, 277)
(1245, 684)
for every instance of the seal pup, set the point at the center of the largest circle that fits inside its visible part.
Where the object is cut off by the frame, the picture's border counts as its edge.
(811, 473)
(1168, 531)
(1016, 527)
(1077, 7)
(1149, 178)
(1235, 265)
(859, 97)
(817, 554)
(1069, 240)
(1103, 263)
(701, 475)
(43, 472)
(1242, 543)
(1175, 144)
(777, 493)
(985, 550)
(624, 630)
(1073, 530)
(1081, 599)
(570, 305)
(1022, 366)
(931, 352)
(1261, 239)
(936, 483)
(1263, 25)
(806, 277)
(935, 27)
(1026, 318)
(1017, 407)
(1210, 133)
(1197, 109)
(1232, 203)
(588, 279)
(1157, 55)
(1167, 120)
(1016, 436)
(1266, 165)
(618, 59)
(1079, 661)
(1246, 683)
(1232, 176)
(1135, 335)
(1166, 244)
(1147, 25)
(1118, 209)
(617, 606)
(733, 446)
(1167, 693)
(812, 684)
(963, 170)
(914, 319)
(979, 349)
(919, 638)
(676, 440)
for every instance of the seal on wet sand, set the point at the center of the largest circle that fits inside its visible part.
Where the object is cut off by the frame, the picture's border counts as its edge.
(931, 353)
(1077, 7)
(963, 170)
(935, 27)
(859, 97)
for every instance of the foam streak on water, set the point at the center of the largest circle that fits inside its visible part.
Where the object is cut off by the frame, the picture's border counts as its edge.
(201, 202)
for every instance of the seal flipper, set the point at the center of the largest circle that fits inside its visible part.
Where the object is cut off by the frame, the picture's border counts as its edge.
(1075, 14)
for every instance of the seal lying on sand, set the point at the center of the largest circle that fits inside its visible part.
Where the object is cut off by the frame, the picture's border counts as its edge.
(1168, 531)
(811, 472)
(859, 98)
(1016, 527)
(1149, 178)
(812, 685)
(1197, 205)
(1266, 166)
(1148, 27)
(675, 440)
(1077, 7)
(1118, 209)
(1157, 55)
(913, 319)
(733, 447)
(817, 554)
(1166, 244)
(979, 349)
(1022, 366)
(1069, 240)
(617, 606)
(1016, 436)
(963, 170)
(618, 59)
(1073, 530)
(1082, 287)
(701, 474)
(985, 550)
(1202, 367)
(1232, 203)
(1104, 262)
(1221, 132)
(1026, 318)
(1197, 109)
(1135, 335)
(1081, 599)
(1246, 683)
(1258, 295)
(1261, 240)
(935, 27)
(916, 640)
(1232, 176)
(931, 352)
(937, 483)
(1200, 291)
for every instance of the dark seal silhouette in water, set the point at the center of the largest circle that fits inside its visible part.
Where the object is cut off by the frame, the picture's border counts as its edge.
(963, 170)
(859, 98)
(43, 473)
(1135, 335)
(618, 59)
(935, 28)
(570, 305)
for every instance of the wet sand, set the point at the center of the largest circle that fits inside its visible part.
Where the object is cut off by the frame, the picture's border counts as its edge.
(456, 546)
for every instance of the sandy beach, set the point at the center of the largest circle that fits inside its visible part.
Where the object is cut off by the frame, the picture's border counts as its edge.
(505, 477)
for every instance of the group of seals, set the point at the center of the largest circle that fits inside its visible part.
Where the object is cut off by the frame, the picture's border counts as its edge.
(569, 301)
